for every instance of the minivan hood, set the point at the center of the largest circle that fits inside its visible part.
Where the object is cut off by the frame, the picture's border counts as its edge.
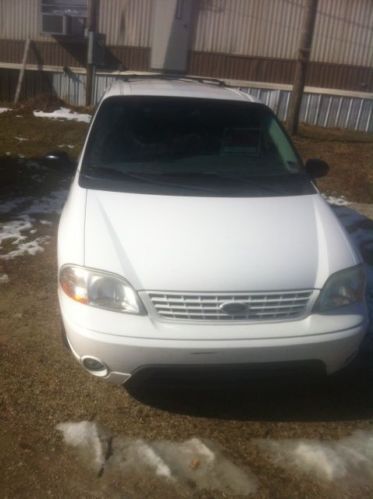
(186, 243)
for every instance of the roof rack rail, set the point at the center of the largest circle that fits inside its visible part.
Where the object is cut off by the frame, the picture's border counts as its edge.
(170, 76)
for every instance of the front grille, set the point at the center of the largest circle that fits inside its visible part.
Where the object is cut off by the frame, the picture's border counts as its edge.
(218, 306)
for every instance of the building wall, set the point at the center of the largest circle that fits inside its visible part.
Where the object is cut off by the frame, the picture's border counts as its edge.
(253, 40)
(272, 28)
(19, 19)
(126, 22)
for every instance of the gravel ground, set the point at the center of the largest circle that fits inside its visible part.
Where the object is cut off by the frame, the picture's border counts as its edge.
(42, 385)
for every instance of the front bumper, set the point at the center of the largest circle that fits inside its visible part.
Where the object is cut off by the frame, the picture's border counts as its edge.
(127, 344)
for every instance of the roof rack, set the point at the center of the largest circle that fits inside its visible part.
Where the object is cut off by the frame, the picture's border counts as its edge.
(171, 76)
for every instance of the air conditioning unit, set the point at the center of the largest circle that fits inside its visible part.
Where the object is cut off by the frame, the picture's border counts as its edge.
(63, 17)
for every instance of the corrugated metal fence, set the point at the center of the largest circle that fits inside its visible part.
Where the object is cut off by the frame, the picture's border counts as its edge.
(321, 109)
(324, 110)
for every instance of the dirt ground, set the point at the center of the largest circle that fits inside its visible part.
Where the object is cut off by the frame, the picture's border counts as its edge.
(41, 384)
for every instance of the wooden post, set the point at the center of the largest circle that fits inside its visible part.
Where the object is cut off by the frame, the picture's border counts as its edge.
(22, 71)
(301, 67)
(92, 29)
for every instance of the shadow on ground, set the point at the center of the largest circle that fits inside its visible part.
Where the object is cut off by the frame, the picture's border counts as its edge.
(301, 397)
(31, 176)
(297, 396)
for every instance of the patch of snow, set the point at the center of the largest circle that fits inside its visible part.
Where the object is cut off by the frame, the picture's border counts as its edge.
(349, 458)
(4, 109)
(27, 248)
(37, 178)
(336, 201)
(64, 114)
(66, 145)
(48, 204)
(14, 228)
(4, 278)
(89, 438)
(194, 464)
(148, 456)
(14, 204)
(34, 164)
(21, 139)
(17, 230)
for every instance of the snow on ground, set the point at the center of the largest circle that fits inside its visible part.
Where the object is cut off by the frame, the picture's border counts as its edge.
(4, 109)
(15, 232)
(201, 465)
(18, 229)
(336, 201)
(14, 204)
(48, 204)
(194, 464)
(346, 462)
(90, 438)
(4, 278)
(64, 114)
(27, 248)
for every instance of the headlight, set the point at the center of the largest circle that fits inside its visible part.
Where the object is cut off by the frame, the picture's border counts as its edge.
(100, 289)
(342, 288)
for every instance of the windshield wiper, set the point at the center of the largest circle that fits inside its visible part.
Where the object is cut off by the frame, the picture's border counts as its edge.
(212, 174)
(101, 173)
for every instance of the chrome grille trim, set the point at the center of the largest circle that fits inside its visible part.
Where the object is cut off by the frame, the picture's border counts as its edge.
(207, 306)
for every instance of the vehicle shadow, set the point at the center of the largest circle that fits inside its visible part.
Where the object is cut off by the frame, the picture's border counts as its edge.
(343, 397)
(30, 176)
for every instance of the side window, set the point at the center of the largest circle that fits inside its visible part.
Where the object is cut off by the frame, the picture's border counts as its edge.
(277, 141)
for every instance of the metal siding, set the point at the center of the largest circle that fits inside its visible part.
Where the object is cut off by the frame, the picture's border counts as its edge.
(70, 88)
(20, 19)
(316, 109)
(264, 28)
(344, 32)
(243, 39)
(321, 110)
(271, 28)
(126, 22)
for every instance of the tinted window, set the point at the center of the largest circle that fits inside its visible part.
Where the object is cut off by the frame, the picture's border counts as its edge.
(172, 144)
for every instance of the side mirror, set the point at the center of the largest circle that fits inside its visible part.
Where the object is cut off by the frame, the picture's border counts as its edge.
(61, 161)
(316, 168)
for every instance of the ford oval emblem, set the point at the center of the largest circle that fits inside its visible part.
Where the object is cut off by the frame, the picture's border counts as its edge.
(234, 308)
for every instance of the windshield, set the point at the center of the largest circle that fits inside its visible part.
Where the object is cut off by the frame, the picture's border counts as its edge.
(190, 146)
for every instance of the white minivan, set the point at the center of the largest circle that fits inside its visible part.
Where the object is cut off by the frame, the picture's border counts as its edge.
(194, 237)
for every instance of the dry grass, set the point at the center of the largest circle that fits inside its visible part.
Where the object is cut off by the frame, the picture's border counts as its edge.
(350, 157)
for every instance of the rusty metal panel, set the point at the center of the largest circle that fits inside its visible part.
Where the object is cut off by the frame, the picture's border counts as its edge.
(319, 74)
(126, 22)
